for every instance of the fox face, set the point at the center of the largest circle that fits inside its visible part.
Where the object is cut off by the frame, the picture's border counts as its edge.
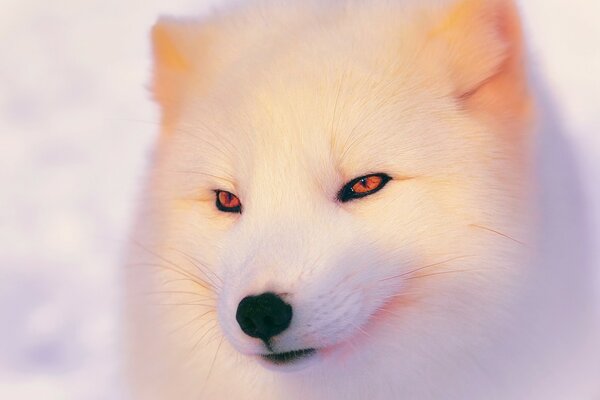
(335, 189)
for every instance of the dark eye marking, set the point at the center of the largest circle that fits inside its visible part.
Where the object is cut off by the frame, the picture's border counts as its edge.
(363, 186)
(228, 202)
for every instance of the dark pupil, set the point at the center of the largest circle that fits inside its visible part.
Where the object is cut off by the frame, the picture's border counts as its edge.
(363, 182)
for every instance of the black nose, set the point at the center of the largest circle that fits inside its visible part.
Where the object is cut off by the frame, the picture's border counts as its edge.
(263, 316)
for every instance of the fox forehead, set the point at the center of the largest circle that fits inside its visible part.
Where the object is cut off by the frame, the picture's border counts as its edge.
(323, 114)
(325, 99)
(330, 91)
(319, 134)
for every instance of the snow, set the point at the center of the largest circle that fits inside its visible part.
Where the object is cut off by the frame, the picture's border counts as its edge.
(76, 125)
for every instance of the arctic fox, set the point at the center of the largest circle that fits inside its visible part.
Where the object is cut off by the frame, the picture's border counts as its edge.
(343, 205)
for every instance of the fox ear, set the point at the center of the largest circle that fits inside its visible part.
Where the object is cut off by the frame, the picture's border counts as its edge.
(483, 46)
(178, 46)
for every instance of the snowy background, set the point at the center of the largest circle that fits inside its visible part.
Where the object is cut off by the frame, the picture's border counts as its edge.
(76, 125)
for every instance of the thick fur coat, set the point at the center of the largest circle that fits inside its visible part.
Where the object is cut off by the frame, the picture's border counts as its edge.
(434, 287)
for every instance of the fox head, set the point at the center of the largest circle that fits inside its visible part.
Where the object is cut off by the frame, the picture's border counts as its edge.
(333, 186)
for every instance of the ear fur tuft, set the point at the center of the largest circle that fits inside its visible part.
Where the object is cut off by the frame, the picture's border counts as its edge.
(177, 46)
(484, 49)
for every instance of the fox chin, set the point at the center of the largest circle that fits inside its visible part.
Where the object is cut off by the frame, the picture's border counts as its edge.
(342, 205)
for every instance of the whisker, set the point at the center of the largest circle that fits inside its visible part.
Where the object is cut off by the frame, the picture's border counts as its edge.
(425, 267)
(179, 271)
(192, 352)
(206, 323)
(153, 253)
(185, 304)
(393, 296)
(177, 267)
(385, 310)
(444, 272)
(485, 228)
(202, 268)
(196, 294)
(177, 280)
(196, 318)
(212, 364)
(362, 330)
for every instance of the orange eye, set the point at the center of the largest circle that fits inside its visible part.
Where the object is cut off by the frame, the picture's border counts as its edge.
(367, 184)
(363, 186)
(228, 202)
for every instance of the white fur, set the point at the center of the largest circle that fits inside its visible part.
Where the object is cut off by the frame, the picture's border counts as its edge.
(285, 105)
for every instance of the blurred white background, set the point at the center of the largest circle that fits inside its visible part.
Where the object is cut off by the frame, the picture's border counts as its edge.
(76, 126)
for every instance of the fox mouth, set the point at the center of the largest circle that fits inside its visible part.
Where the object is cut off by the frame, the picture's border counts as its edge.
(289, 357)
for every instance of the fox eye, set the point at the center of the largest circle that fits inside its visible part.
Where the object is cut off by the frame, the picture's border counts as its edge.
(363, 186)
(228, 202)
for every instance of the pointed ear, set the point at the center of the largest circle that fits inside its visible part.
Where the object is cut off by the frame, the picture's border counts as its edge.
(178, 47)
(483, 46)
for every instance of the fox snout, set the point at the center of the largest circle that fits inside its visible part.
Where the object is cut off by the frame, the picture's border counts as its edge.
(264, 316)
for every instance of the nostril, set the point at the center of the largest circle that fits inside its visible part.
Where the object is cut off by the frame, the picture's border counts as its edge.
(263, 316)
